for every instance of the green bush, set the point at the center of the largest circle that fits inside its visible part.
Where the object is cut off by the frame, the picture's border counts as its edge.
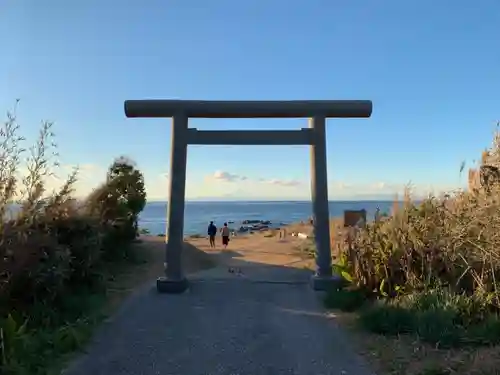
(56, 251)
(437, 316)
(346, 299)
(117, 203)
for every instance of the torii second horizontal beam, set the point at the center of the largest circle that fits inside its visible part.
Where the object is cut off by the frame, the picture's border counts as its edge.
(249, 109)
(250, 137)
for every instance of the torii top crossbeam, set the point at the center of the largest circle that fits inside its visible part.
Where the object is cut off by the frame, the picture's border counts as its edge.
(249, 109)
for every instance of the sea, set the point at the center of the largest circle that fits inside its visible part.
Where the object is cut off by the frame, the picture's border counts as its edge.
(198, 214)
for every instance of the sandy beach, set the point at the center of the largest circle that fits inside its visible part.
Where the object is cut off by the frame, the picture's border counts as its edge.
(246, 254)
(291, 246)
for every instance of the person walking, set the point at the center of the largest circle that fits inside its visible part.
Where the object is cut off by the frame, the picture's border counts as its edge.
(212, 232)
(225, 235)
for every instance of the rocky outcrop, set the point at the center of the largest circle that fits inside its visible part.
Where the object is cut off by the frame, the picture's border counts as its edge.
(265, 222)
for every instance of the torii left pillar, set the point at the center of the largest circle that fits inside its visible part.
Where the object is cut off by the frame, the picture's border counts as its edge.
(174, 280)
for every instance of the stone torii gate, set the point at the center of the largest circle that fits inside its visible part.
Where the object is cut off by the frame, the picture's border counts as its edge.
(180, 111)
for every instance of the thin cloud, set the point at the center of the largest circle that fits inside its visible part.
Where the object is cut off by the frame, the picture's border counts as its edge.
(284, 183)
(232, 177)
(228, 177)
(380, 185)
(341, 185)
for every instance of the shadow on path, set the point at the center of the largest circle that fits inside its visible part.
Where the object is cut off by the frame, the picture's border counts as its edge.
(267, 321)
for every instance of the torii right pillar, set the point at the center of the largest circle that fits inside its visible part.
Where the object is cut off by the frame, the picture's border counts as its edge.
(323, 278)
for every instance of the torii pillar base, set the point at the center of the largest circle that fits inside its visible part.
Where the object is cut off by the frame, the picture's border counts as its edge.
(326, 283)
(169, 286)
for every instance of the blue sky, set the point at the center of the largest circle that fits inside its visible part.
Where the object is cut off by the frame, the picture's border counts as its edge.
(430, 67)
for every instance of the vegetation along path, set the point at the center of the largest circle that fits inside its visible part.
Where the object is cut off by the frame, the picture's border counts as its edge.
(252, 314)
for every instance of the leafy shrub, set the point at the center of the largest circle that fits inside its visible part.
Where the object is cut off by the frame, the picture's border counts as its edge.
(346, 299)
(53, 249)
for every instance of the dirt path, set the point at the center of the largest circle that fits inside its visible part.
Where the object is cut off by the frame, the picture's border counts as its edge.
(255, 257)
(266, 320)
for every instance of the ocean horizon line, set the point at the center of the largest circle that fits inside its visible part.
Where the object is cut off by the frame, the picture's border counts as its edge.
(279, 212)
(275, 201)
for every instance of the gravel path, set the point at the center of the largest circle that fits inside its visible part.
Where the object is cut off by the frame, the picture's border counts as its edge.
(223, 325)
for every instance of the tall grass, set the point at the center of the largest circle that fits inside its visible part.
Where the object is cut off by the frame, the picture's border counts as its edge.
(443, 249)
(54, 250)
(448, 241)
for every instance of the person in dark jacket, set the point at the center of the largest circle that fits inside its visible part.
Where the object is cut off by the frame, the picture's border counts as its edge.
(212, 232)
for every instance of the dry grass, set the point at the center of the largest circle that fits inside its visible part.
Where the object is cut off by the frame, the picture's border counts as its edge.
(435, 268)
(451, 241)
(338, 236)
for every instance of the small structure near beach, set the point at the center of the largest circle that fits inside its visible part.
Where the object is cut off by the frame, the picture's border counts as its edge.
(354, 218)
(314, 136)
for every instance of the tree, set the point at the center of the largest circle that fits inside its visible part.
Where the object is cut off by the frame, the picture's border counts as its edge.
(127, 184)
